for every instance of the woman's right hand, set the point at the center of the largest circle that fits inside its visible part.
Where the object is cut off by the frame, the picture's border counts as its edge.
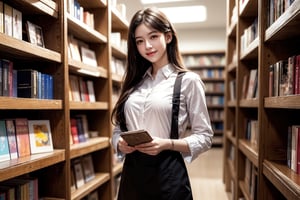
(124, 147)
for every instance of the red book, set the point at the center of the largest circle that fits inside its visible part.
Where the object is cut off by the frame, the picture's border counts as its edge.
(74, 131)
(22, 135)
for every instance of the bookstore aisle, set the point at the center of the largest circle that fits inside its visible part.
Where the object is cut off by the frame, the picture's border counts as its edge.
(206, 174)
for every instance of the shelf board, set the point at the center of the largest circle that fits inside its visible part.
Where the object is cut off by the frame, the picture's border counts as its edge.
(81, 105)
(290, 102)
(82, 68)
(286, 26)
(251, 52)
(243, 188)
(231, 169)
(13, 103)
(231, 103)
(249, 103)
(250, 150)
(284, 179)
(26, 50)
(93, 4)
(231, 32)
(84, 32)
(248, 8)
(91, 145)
(100, 179)
(20, 166)
(116, 77)
(117, 52)
(118, 22)
(117, 169)
(48, 7)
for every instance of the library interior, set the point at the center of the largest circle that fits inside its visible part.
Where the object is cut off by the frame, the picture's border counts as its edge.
(62, 69)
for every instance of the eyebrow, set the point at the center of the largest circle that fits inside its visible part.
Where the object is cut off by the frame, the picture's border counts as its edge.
(151, 32)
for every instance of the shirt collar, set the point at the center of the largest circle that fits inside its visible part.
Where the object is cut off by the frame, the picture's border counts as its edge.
(166, 71)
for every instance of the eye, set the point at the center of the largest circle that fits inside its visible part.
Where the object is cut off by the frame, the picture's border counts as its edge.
(138, 42)
(152, 37)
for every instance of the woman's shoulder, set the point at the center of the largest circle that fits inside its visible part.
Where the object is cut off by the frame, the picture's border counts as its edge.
(192, 76)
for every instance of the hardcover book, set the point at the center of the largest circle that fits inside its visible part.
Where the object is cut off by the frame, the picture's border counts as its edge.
(88, 168)
(22, 135)
(8, 20)
(4, 148)
(17, 24)
(27, 83)
(1, 18)
(12, 141)
(136, 137)
(78, 172)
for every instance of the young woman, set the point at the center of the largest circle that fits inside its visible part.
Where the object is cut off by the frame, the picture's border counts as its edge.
(156, 170)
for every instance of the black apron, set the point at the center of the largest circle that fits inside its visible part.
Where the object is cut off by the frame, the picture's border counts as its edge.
(160, 177)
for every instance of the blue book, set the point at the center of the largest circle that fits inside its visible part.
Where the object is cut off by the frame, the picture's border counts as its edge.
(4, 148)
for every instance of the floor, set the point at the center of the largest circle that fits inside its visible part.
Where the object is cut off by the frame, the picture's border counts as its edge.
(206, 173)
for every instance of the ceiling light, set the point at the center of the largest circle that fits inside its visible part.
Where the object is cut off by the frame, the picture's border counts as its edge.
(185, 14)
(158, 1)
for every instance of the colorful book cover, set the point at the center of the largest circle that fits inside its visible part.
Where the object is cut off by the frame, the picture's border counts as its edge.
(12, 141)
(4, 148)
(22, 135)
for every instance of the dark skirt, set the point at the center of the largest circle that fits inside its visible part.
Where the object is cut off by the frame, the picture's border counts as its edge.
(161, 177)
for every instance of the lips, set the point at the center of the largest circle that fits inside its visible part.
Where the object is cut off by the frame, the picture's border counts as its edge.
(150, 53)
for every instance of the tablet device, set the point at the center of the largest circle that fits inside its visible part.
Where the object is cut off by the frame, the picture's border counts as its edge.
(136, 137)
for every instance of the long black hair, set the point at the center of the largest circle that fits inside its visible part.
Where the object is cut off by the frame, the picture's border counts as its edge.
(136, 65)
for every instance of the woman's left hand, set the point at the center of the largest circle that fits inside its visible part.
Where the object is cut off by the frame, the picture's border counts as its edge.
(154, 147)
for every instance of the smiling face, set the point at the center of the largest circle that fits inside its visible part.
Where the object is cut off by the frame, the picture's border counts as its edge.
(152, 45)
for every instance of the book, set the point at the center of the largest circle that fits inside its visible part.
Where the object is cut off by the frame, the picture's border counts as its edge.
(78, 173)
(12, 140)
(35, 34)
(136, 137)
(252, 84)
(80, 129)
(40, 136)
(85, 125)
(91, 92)
(4, 147)
(74, 88)
(8, 20)
(7, 80)
(9, 192)
(22, 136)
(88, 167)
(88, 56)
(74, 131)
(27, 83)
(74, 49)
(17, 24)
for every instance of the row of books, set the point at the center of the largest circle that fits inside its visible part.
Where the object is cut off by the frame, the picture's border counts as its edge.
(79, 129)
(249, 35)
(284, 77)
(211, 73)
(252, 131)
(10, 21)
(250, 85)
(215, 100)
(82, 170)
(117, 66)
(251, 179)
(81, 89)
(79, 13)
(204, 60)
(276, 9)
(11, 24)
(21, 137)
(19, 188)
(216, 114)
(80, 51)
(293, 148)
(214, 87)
(118, 41)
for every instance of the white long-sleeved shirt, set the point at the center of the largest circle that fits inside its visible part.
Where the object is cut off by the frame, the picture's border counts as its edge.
(149, 107)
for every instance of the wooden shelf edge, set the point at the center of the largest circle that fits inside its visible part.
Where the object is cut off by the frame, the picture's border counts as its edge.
(117, 52)
(45, 6)
(81, 105)
(117, 169)
(249, 150)
(117, 21)
(249, 103)
(27, 50)
(20, 166)
(284, 179)
(13, 103)
(91, 145)
(281, 102)
(251, 51)
(100, 179)
(82, 68)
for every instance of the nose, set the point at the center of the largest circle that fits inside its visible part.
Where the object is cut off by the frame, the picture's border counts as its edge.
(148, 44)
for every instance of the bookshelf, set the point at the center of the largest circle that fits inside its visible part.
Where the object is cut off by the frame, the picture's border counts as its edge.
(260, 36)
(210, 66)
(58, 23)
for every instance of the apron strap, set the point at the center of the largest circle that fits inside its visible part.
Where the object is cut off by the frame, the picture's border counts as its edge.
(175, 105)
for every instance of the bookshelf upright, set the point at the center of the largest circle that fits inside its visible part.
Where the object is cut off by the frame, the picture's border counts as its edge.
(261, 37)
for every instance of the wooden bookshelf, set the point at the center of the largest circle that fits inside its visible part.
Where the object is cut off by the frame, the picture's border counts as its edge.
(210, 67)
(272, 40)
(53, 169)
